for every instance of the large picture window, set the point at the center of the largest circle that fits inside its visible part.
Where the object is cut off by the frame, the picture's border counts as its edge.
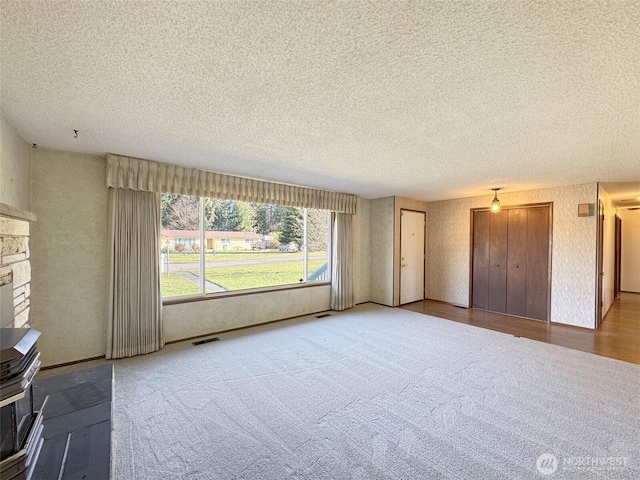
(210, 245)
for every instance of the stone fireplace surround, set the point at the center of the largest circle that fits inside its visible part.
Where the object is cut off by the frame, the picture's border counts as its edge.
(77, 418)
(15, 264)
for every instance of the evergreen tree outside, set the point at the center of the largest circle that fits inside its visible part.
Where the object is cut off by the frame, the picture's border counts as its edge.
(246, 215)
(275, 218)
(292, 226)
(210, 213)
(261, 223)
(232, 216)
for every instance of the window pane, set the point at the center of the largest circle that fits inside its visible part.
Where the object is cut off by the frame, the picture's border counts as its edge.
(318, 243)
(180, 245)
(246, 245)
(245, 248)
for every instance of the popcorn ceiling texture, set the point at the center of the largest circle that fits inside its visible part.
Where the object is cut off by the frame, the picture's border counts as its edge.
(428, 100)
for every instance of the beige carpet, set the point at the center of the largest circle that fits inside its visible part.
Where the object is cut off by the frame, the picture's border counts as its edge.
(371, 393)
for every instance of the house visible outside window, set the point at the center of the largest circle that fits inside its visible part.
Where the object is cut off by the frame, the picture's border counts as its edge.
(247, 246)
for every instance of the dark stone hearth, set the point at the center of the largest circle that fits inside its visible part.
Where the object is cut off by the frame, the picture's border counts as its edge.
(77, 418)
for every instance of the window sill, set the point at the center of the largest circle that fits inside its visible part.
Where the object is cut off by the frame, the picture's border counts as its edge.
(200, 297)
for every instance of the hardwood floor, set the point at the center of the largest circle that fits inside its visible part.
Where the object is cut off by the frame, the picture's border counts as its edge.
(618, 337)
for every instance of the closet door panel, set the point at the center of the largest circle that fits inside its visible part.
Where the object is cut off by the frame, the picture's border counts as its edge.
(538, 263)
(498, 262)
(481, 235)
(517, 262)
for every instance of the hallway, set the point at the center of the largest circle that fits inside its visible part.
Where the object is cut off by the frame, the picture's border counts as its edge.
(618, 337)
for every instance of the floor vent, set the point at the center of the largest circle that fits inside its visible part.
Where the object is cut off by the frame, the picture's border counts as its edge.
(206, 340)
(323, 315)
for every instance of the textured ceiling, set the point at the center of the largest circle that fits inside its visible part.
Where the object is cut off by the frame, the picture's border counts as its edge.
(425, 99)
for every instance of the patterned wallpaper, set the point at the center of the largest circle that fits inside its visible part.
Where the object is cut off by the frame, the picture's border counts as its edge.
(573, 251)
(362, 251)
(382, 254)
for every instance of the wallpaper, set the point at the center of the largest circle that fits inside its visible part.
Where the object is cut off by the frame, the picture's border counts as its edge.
(362, 251)
(573, 265)
(14, 167)
(382, 253)
(69, 254)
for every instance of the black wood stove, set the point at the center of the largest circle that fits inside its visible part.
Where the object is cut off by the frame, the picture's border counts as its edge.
(20, 426)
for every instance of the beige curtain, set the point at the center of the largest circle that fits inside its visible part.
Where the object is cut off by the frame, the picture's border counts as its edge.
(145, 175)
(134, 323)
(342, 295)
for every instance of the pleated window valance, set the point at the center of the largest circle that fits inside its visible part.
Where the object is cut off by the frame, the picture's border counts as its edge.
(146, 175)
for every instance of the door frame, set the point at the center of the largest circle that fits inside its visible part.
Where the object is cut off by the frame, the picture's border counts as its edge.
(617, 261)
(549, 264)
(424, 255)
(600, 264)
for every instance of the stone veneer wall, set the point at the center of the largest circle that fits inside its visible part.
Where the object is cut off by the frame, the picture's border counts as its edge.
(14, 259)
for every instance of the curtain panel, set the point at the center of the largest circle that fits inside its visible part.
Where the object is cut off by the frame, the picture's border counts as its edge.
(134, 324)
(145, 175)
(342, 291)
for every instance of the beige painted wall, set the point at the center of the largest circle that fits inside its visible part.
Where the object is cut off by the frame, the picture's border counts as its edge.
(362, 251)
(14, 167)
(382, 250)
(609, 237)
(69, 254)
(630, 258)
(573, 267)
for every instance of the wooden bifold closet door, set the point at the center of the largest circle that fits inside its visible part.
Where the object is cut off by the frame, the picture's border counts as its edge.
(511, 261)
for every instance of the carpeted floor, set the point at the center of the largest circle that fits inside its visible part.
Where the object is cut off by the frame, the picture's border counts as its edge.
(371, 393)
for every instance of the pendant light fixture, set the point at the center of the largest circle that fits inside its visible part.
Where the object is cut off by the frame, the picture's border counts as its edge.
(495, 203)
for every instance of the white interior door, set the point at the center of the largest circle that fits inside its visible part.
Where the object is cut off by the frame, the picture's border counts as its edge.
(412, 227)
